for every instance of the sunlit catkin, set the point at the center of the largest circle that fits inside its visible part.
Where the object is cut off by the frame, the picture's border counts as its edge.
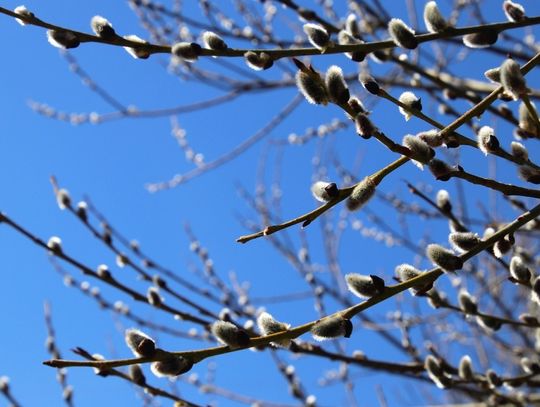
(402, 34)
(433, 19)
(361, 194)
(332, 327)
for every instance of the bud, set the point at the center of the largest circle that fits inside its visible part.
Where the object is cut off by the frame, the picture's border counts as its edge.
(361, 194)
(55, 245)
(63, 199)
(121, 259)
(519, 151)
(229, 334)
(153, 297)
(431, 137)
(102, 27)
(364, 127)
(317, 36)
(137, 52)
(529, 174)
(514, 11)
(440, 170)
(345, 38)
(336, 86)
(364, 286)
(489, 323)
(443, 258)
(136, 375)
(140, 344)
(493, 379)
(401, 34)
(487, 142)
(351, 26)
(421, 152)
(158, 281)
(410, 100)
(434, 20)
(529, 319)
(436, 299)
(4, 384)
(512, 79)
(467, 302)
(103, 272)
(258, 61)
(526, 121)
(435, 372)
(324, 191)
(465, 369)
(356, 106)
(443, 201)
(529, 366)
(24, 12)
(332, 327)
(482, 39)
(407, 272)
(63, 39)
(213, 41)
(268, 326)
(463, 241)
(312, 87)
(494, 75)
(535, 291)
(171, 366)
(82, 211)
(188, 51)
(503, 246)
(519, 270)
(369, 84)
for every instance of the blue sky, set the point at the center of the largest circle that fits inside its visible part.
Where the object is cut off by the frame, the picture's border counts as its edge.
(112, 162)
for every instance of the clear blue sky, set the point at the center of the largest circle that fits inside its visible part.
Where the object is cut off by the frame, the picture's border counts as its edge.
(112, 162)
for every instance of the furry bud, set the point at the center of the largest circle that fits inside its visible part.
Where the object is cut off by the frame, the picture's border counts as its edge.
(229, 334)
(63, 199)
(493, 379)
(421, 152)
(258, 61)
(487, 142)
(465, 369)
(482, 39)
(136, 375)
(137, 52)
(529, 366)
(140, 344)
(81, 211)
(494, 75)
(361, 194)
(103, 272)
(351, 26)
(440, 170)
(535, 291)
(24, 12)
(434, 20)
(364, 286)
(356, 106)
(213, 41)
(489, 323)
(345, 38)
(268, 326)
(519, 270)
(102, 27)
(431, 137)
(463, 241)
(519, 151)
(324, 191)
(443, 201)
(503, 246)
(527, 121)
(514, 11)
(171, 366)
(512, 79)
(443, 258)
(412, 102)
(153, 297)
(55, 245)
(338, 91)
(401, 34)
(370, 84)
(312, 87)
(364, 126)
(436, 373)
(407, 272)
(188, 51)
(332, 327)
(317, 36)
(63, 39)
(529, 174)
(467, 302)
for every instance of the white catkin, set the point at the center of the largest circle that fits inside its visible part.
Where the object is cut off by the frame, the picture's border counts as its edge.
(361, 194)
